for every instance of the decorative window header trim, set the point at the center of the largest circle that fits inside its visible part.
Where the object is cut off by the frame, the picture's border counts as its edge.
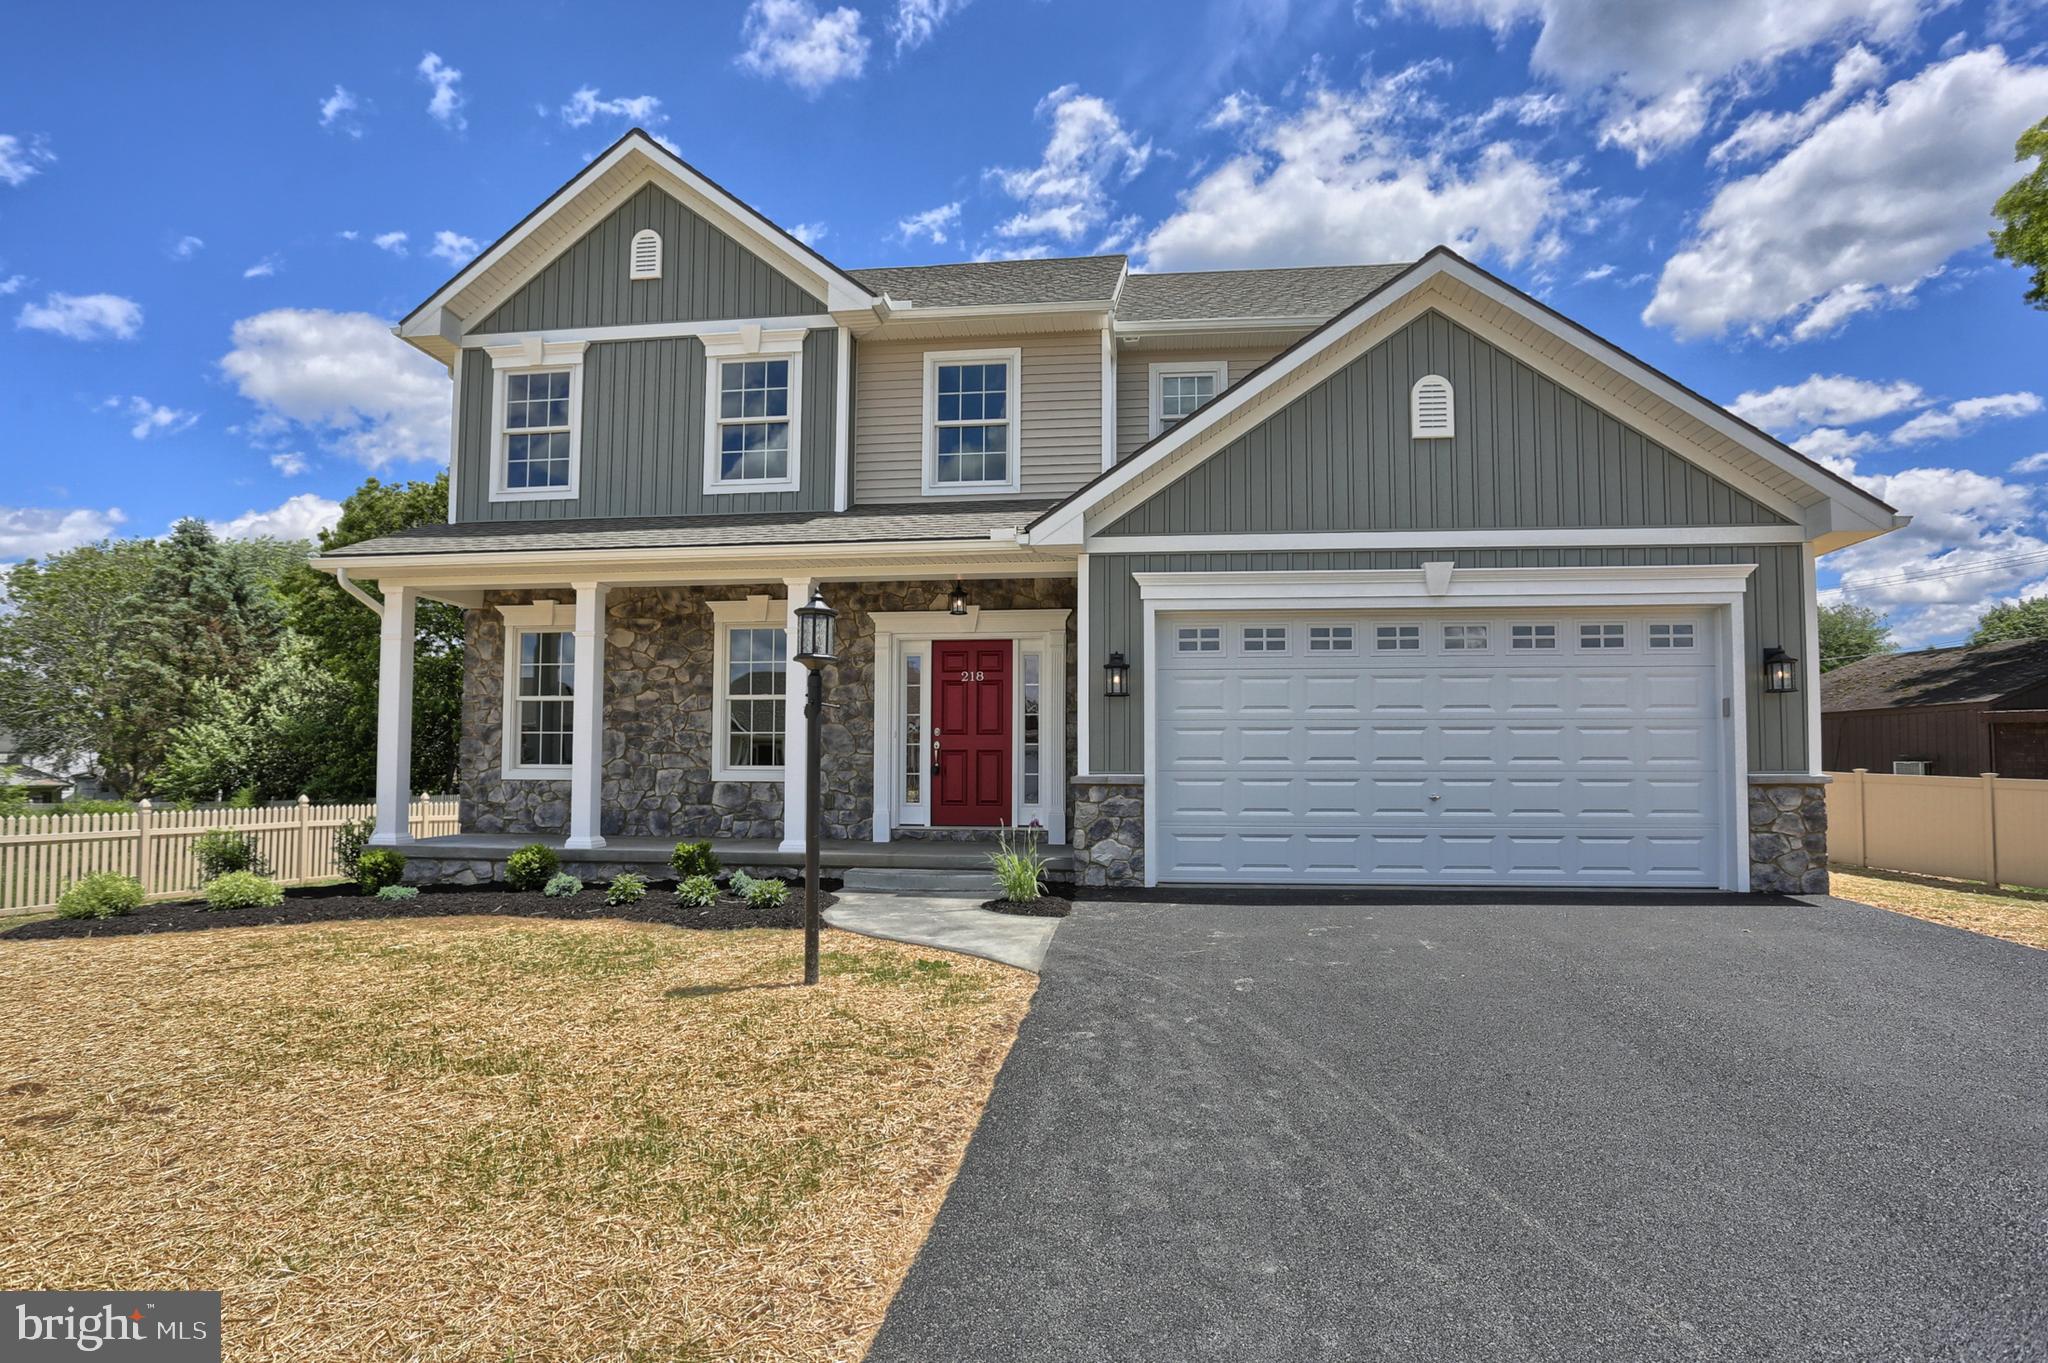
(536, 352)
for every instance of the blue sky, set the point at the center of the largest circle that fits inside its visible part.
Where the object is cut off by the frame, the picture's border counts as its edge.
(209, 215)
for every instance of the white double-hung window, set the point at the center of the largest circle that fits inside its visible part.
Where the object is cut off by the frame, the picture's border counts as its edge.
(750, 689)
(537, 411)
(1180, 387)
(753, 419)
(970, 427)
(540, 691)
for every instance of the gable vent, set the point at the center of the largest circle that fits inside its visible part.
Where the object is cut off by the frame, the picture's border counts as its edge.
(646, 254)
(1429, 408)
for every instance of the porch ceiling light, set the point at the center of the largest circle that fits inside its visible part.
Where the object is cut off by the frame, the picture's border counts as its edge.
(815, 623)
(957, 603)
(1116, 676)
(1781, 671)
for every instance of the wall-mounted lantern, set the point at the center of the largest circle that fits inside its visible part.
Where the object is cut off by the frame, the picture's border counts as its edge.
(1781, 671)
(956, 604)
(1116, 676)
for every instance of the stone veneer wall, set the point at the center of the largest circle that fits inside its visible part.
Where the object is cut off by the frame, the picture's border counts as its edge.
(659, 659)
(1788, 837)
(1107, 830)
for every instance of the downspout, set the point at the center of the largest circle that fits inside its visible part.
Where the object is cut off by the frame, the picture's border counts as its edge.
(374, 606)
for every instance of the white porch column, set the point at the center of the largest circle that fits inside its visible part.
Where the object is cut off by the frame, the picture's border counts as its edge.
(394, 717)
(795, 734)
(586, 741)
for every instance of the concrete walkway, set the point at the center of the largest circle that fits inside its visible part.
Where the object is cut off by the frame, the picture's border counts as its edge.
(939, 909)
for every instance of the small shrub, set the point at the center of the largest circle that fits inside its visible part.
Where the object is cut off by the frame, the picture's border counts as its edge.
(398, 894)
(243, 890)
(627, 887)
(379, 868)
(349, 841)
(107, 894)
(767, 894)
(739, 882)
(697, 892)
(221, 850)
(693, 859)
(531, 867)
(1019, 867)
(562, 885)
(244, 798)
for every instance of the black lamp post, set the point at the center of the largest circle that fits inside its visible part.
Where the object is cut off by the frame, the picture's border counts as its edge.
(814, 629)
(1781, 671)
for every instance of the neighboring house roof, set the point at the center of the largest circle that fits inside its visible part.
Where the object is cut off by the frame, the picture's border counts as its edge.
(863, 525)
(1937, 676)
(19, 774)
(1307, 291)
(992, 283)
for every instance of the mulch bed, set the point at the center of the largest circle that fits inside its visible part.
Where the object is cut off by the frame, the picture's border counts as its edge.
(1045, 906)
(341, 903)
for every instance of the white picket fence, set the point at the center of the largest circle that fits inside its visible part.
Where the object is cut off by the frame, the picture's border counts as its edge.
(41, 856)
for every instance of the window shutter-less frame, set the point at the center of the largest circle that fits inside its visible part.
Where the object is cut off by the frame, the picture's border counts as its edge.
(646, 254)
(1429, 408)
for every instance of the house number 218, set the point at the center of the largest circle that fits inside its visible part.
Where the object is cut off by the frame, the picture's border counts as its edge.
(973, 676)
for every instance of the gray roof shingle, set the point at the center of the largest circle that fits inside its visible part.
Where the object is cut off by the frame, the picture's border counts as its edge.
(1937, 676)
(1069, 279)
(1306, 291)
(862, 525)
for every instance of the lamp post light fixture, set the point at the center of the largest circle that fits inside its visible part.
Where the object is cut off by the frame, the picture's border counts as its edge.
(956, 604)
(1781, 671)
(1116, 676)
(815, 623)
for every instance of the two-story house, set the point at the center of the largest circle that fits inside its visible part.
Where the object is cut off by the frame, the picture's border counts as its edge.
(1372, 573)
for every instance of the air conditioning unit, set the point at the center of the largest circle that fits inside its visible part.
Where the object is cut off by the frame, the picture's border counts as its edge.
(1920, 768)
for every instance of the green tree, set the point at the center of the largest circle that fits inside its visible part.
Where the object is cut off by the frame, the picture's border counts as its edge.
(343, 639)
(274, 735)
(2026, 620)
(2023, 209)
(1849, 632)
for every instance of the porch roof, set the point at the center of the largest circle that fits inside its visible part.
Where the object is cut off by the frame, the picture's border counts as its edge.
(891, 524)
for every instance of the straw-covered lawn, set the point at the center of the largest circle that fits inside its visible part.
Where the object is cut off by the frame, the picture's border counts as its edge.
(477, 1139)
(2015, 914)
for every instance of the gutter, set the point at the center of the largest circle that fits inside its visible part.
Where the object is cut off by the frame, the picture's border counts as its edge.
(341, 579)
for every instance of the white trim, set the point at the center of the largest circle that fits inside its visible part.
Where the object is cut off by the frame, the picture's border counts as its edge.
(753, 612)
(1013, 460)
(535, 356)
(796, 724)
(753, 343)
(1109, 392)
(455, 439)
(1202, 326)
(1809, 598)
(1084, 665)
(842, 420)
(1217, 370)
(644, 264)
(713, 328)
(1717, 587)
(1645, 536)
(395, 637)
(586, 736)
(539, 617)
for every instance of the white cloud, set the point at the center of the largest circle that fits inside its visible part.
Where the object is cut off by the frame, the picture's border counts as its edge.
(12, 284)
(790, 40)
(21, 161)
(2033, 463)
(83, 317)
(809, 233)
(933, 224)
(262, 269)
(344, 376)
(336, 111)
(1825, 400)
(394, 242)
(453, 247)
(1862, 212)
(186, 247)
(1367, 174)
(1835, 447)
(289, 463)
(584, 107)
(1650, 129)
(1013, 251)
(1067, 192)
(446, 102)
(301, 517)
(151, 418)
(38, 532)
(1763, 133)
(917, 20)
(1598, 272)
(1959, 418)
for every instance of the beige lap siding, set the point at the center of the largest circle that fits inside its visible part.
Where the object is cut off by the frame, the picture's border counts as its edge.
(1060, 414)
(1134, 383)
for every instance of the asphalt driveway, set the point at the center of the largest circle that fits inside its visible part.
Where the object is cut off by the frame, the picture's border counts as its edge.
(1589, 1129)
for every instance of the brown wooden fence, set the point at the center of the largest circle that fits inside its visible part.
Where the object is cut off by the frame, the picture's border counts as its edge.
(1989, 828)
(41, 856)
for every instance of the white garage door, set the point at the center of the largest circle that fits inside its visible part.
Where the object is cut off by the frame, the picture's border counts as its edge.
(1458, 748)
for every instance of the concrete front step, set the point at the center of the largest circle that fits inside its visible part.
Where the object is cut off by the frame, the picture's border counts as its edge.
(921, 884)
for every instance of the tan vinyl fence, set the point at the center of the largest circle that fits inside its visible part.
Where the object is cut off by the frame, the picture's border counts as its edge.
(1987, 828)
(41, 856)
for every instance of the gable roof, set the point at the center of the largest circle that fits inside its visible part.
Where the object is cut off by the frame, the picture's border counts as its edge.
(1937, 676)
(1837, 512)
(1302, 291)
(987, 283)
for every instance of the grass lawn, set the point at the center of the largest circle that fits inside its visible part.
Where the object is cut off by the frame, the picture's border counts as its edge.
(470, 1138)
(2016, 914)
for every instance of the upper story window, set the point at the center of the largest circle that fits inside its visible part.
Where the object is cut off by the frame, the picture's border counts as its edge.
(538, 410)
(753, 421)
(1179, 388)
(971, 421)
(644, 259)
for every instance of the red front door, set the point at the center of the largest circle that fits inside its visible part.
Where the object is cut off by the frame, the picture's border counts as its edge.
(971, 734)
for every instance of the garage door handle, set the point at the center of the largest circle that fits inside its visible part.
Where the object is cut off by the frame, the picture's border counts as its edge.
(1436, 797)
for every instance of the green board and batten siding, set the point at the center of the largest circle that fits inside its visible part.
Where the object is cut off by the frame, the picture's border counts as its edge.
(1527, 454)
(643, 436)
